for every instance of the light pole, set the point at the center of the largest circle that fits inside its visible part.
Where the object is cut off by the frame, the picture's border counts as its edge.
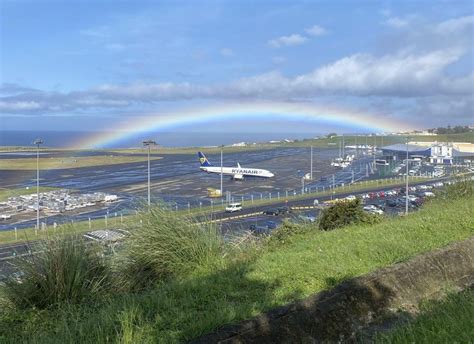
(222, 169)
(406, 180)
(37, 142)
(148, 144)
(311, 164)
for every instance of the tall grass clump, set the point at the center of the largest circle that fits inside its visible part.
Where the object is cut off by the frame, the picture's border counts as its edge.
(461, 188)
(168, 244)
(61, 270)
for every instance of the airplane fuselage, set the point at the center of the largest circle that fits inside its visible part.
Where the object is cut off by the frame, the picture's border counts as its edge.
(238, 171)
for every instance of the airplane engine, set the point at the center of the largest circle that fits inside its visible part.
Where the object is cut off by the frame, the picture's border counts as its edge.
(238, 177)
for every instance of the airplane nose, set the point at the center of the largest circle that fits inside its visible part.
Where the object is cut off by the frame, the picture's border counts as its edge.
(272, 175)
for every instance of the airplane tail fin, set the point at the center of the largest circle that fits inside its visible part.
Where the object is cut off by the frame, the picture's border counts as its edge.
(203, 160)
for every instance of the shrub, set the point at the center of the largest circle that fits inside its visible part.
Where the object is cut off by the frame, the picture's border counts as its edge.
(167, 244)
(345, 213)
(461, 188)
(287, 230)
(63, 270)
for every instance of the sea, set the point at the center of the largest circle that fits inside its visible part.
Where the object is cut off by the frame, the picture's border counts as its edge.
(65, 139)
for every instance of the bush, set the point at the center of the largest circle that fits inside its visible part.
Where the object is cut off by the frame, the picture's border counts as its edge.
(345, 213)
(167, 244)
(64, 270)
(286, 231)
(461, 188)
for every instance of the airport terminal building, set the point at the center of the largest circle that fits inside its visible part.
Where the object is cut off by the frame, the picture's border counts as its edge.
(434, 152)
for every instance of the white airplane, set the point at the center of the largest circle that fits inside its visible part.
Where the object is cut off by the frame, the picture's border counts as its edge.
(237, 173)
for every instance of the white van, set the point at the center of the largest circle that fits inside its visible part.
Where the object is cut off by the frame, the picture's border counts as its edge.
(233, 207)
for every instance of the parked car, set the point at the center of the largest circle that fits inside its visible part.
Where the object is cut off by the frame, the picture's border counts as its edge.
(259, 230)
(391, 203)
(233, 207)
(307, 218)
(372, 209)
(315, 202)
(271, 212)
(351, 198)
(271, 224)
(284, 210)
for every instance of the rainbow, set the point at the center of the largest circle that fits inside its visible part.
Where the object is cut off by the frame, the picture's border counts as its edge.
(248, 111)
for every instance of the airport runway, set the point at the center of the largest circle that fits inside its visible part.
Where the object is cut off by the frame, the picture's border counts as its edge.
(177, 180)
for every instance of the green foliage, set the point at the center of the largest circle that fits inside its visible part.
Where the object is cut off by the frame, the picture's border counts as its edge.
(167, 244)
(286, 232)
(453, 130)
(345, 213)
(462, 188)
(64, 270)
(447, 321)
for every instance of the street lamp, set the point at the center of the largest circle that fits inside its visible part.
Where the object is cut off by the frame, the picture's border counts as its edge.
(406, 180)
(222, 169)
(148, 144)
(37, 142)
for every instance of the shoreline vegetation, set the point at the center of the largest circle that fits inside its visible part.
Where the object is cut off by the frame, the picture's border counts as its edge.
(172, 286)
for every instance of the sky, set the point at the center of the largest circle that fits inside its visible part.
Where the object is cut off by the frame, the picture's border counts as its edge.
(93, 65)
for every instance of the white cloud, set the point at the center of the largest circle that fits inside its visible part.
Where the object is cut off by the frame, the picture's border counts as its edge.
(19, 106)
(226, 52)
(316, 30)
(455, 25)
(287, 41)
(399, 75)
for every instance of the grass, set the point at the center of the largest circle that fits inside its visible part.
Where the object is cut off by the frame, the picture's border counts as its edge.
(6, 193)
(238, 287)
(64, 270)
(50, 163)
(167, 244)
(447, 321)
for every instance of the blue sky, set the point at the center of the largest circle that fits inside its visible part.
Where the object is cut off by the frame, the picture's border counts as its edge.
(80, 64)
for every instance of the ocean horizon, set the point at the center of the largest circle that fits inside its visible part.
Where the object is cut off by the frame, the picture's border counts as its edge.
(65, 139)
